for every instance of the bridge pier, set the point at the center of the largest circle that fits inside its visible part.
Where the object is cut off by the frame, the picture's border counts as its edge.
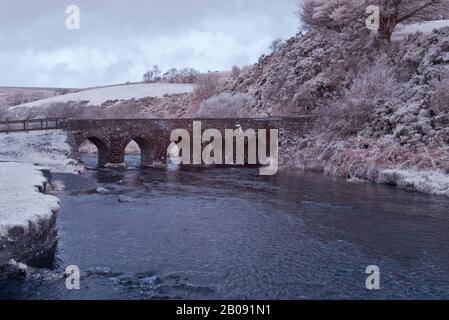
(116, 151)
(103, 158)
(160, 153)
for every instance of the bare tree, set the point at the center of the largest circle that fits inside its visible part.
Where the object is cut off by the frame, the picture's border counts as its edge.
(188, 75)
(393, 12)
(157, 73)
(147, 77)
(332, 14)
(171, 75)
(235, 72)
(336, 14)
(276, 44)
(152, 75)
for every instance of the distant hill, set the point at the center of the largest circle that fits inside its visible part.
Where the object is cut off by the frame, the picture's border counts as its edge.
(97, 96)
(11, 96)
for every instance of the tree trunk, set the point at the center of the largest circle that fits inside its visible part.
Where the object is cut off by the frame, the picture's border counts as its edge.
(387, 26)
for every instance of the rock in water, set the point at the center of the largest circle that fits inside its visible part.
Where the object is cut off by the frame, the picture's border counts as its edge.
(103, 272)
(15, 270)
(122, 198)
(102, 190)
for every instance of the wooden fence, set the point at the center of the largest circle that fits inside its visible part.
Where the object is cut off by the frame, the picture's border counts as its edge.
(31, 124)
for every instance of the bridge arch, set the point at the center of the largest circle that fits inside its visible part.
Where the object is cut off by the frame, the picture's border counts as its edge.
(102, 147)
(146, 147)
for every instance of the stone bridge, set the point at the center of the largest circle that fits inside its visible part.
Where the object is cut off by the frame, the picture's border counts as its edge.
(153, 135)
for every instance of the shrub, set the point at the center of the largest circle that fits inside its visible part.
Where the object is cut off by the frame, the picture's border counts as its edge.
(439, 102)
(207, 86)
(64, 110)
(225, 105)
(2, 113)
(235, 72)
(373, 86)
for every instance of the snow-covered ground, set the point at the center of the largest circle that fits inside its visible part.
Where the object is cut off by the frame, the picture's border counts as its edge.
(403, 31)
(429, 182)
(45, 148)
(22, 205)
(27, 217)
(97, 96)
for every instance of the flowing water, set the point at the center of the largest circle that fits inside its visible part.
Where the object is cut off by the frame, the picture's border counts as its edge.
(227, 233)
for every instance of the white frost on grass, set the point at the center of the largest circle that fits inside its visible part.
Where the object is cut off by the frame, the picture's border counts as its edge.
(98, 96)
(44, 148)
(429, 182)
(402, 31)
(22, 205)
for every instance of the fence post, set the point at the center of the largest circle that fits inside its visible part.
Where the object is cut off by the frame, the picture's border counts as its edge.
(42, 124)
(24, 125)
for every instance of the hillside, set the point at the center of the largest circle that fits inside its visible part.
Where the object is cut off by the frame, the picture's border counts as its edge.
(98, 96)
(143, 100)
(12, 96)
(382, 110)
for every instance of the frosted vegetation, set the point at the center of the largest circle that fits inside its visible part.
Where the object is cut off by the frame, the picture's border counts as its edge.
(225, 105)
(11, 96)
(45, 148)
(423, 181)
(380, 104)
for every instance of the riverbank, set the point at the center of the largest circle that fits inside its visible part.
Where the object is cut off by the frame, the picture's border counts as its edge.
(44, 148)
(27, 215)
(421, 168)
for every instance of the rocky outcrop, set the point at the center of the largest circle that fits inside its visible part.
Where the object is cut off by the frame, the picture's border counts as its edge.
(23, 245)
(28, 216)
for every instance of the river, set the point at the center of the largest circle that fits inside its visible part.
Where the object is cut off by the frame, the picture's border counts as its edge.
(228, 233)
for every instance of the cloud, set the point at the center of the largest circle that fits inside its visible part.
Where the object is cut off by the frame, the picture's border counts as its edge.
(119, 40)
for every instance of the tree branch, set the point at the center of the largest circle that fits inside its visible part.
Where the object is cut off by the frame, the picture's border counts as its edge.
(415, 12)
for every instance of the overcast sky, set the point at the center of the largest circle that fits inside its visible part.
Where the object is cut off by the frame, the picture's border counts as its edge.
(119, 39)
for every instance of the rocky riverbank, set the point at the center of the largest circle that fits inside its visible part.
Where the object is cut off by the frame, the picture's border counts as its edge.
(27, 215)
